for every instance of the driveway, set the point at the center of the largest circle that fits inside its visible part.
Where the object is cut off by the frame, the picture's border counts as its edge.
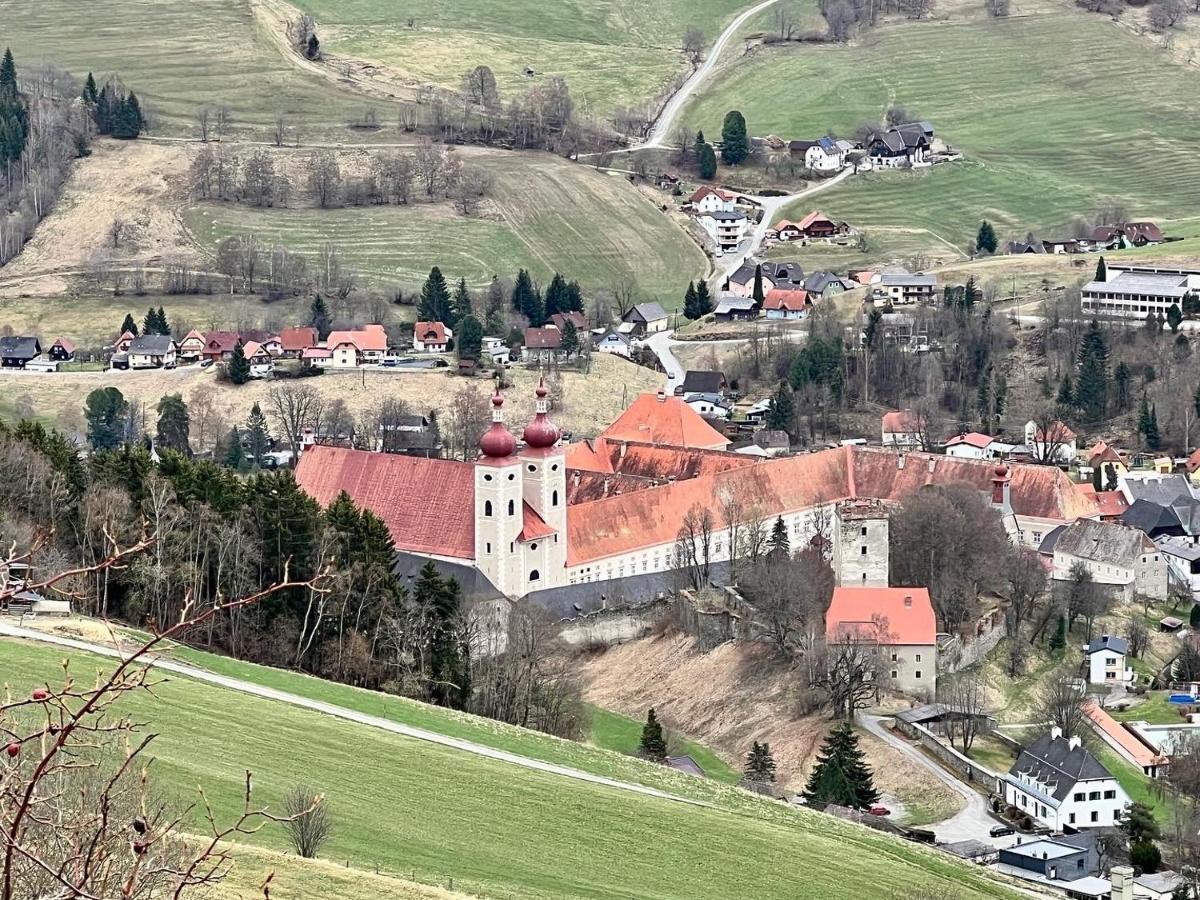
(974, 821)
(660, 342)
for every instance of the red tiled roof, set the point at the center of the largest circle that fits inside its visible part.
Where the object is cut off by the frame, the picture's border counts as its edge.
(584, 486)
(317, 353)
(901, 422)
(971, 438)
(430, 332)
(812, 218)
(220, 341)
(573, 316)
(66, 343)
(657, 419)
(1059, 432)
(428, 505)
(650, 461)
(902, 615)
(1122, 736)
(367, 338)
(1110, 503)
(705, 191)
(296, 340)
(543, 338)
(780, 299)
(533, 526)
(1193, 462)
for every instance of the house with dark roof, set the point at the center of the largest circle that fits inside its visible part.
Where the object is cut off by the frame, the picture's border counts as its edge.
(702, 381)
(1058, 783)
(646, 318)
(827, 284)
(1105, 659)
(15, 352)
(902, 145)
(906, 287)
(1059, 865)
(543, 344)
(152, 351)
(1119, 557)
(733, 308)
(781, 275)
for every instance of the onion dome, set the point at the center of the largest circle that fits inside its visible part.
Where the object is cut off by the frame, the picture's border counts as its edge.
(497, 442)
(541, 433)
(1001, 471)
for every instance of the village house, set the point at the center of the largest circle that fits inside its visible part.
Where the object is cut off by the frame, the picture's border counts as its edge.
(826, 285)
(710, 406)
(543, 345)
(900, 621)
(121, 344)
(1058, 783)
(62, 350)
(902, 429)
(431, 337)
(1059, 444)
(294, 341)
(972, 445)
(900, 288)
(1105, 658)
(1054, 864)
(1124, 741)
(902, 145)
(765, 443)
(218, 345)
(726, 229)
(734, 308)
(702, 381)
(1137, 291)
(786, 305)
(16, 351)
(827, 154)
(268, 340)
(775, 276)
(495, 349)
(191, 348)
(708, 200)
(1125, 236)
(646, 318)
(813, 226)
(559, 320)
(262, 363)
(1117, 556)
(152, 351)
(611, 340)
(356, 347)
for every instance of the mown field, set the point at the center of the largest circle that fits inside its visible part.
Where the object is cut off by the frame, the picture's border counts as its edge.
(500, 830)
(1030, 100)
(884, 245)
(611, 52)
(178, 56)
(544, 214)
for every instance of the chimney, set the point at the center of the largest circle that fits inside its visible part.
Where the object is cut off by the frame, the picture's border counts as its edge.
(1075, 741)
(900, 461)
(1122, 882)
(662, 396)
(1055, 733)
(908, 601)
(930, 464)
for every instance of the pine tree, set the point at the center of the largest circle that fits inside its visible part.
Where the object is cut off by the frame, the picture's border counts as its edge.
(1101, 270)
(1098, 478)
(469, 339)
(758, 294)
(318, 317)
(1122, 378)
(735, 140)
(494, 308)
(128, 325)
(1066, 391)
(689, 301)
(778, 543)
(171, 431)
(89, 90)
(556, 295)
(526, 301)
(235, 455)
(653, 745)
(106, 411)
(463, 304)
(699, 143)
(150, 322)
(1058, 640)
(841, 775)
(1110, 478)
(8, 76)
(238, 367)
(163, 325)
(573, 301)
(985, 240)
(312, 49)
(706, 162)
(1091, 392)
(258, 439)
(704, 303)
(971, 294)
(782, 414)
(1174, 317)
(760, 764)
(1153, 435)
(570, 339)
(434, 305)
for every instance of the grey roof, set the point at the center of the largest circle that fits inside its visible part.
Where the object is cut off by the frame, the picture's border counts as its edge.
(1179, 547)
(1149, 517)
(781, 272)
(722, 216)
(901, 279)
(1052, 761)
(1162, 490)
(1108, 642)
(647, 312)
(16, 347)
(744, 274)
(969, 849)
(891, 140)
(918, 715)
(772, 439)
(475, 585)
(572, 600)
(1108, 542)
(818, 281)
(1174, 286)
(703, 381)
(705, 397)
(1051, 538)
(732, 302)
(613, 333)
(1159, 882)
(151, 344)
(1044, 850)
(685, 764)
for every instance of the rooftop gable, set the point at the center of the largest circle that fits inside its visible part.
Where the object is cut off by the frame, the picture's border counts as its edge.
(891, 616)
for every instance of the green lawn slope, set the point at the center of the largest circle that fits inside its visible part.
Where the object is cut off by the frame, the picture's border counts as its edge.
(497, 829)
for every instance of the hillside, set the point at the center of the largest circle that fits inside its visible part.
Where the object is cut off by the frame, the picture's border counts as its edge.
(498, 830)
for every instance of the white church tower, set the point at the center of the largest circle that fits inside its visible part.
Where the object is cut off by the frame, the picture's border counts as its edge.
(544, 490)
(498, 506)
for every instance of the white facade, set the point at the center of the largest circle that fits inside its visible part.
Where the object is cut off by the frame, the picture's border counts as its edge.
(714, 202)
(1136, 291)
(1108, 667)
(152, 360)
(708, 408)
(344, 356)
(860, 549)
(1090, 803)
(824, 159)
(912, 669)
(973, 447)
(725, 228)
(1146, 575)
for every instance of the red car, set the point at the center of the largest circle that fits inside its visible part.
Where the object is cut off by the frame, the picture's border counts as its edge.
(879, 811)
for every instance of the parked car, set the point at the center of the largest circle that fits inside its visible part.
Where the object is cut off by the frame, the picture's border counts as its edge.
(879, 811)
(1000, 831)
(205, 363)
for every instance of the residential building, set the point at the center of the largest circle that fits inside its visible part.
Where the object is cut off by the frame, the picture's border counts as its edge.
(218, 345)
(786, 305)
(1056, 444)
(1058, 783)
(543, 344)
(1118, 556)
(15, 352)
(903, 429)
(905, 287)
(1183, 563)
(972, 445)
(576, 318)
(826, 285)
(646, 318)
(902, 145)
(358, 346)
(900, 621)
(1136, 291)
(612, 341)
(813, 226)
(1055, 865)
(827, 155)
(659, 419)
(1125, 741)
(431, 337)
(1125, 235)
(191, 348)
(121, 344)
(710, 406)
(775, 275)
(1111, 504)
(152, 351)
(765, 443)
(262, 363)
(62, 350)
(732, 308)
(726, 229)
(1105, 656)
(294, 341)
(703, 381)
(708, 200)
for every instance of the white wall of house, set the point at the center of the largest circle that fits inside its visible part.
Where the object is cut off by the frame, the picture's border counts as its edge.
(1096, 803)
(711, 410)
(967, 451)
(711, 203)
(908, 440)
(912, 669)
(1108, 667)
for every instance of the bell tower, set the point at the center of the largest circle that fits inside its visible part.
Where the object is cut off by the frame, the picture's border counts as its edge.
(544, 489)
(498, 511)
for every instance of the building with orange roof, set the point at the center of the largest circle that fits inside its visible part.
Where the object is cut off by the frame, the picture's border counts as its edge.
(900, 621)
(350, 348)
(1125, 741)
(659, 419)
(785, 304)
(1056, 444)
(902, 428)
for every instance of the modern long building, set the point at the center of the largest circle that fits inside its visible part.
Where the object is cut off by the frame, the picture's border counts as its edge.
(1137, 291)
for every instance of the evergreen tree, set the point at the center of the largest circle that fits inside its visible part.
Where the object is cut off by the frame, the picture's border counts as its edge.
(556, 295)
(1153, 325)
(760, 764)
(128, 325)
(1058, 640)
(494, 308)
(985, 240)
(107, 413)
(469, 339)
(1145, 856)
(570, 339)
(1194, 616)
(1091, 392)
(1101, 270)
(8, 75)
(258, 439)
(235, 455)
(238, 367)
(704, 303)
(318, 317)
(164, 327)
(127, 121)
(1153, 435)
(526, 301)
(151, 323)
(971, 294)
(573, 301)
(1098, 478)
(735, 140)
(449, 653)
(706, 162)
(758, 294)
(782, 414)
(689, 301)
(1122, 378)
(462, 305)
(1066, 391)
(434, 305)
(1110, 478)
(1174, 318)
(171, 432)
(778, 543)
(699, 143)
(653, 745)
(312, 48)
(89, 90)
(841, 775)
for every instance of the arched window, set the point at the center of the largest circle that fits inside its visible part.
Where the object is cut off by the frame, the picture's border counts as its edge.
(554, 499)
(534, 576)
(487, 507)
(511, 508)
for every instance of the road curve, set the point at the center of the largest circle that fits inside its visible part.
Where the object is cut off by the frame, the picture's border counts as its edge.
(670, 111)
(350, 715)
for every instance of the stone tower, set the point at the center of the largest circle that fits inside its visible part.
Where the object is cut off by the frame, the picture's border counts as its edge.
(544, 491)
(498, 510)
(860, 543)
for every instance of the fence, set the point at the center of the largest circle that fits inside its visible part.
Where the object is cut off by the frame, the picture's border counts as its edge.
(963, 767)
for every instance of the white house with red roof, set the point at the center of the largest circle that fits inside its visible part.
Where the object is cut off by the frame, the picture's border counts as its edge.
(1057, 444)
(431, 337)
(356, 347)
(710, 200)
(899, 621)
(782, 304)
(902, 428)
(971, 445)
(192, 346)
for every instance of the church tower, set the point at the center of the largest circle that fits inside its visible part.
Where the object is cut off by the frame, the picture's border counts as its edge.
(498, 506)
(544, 491)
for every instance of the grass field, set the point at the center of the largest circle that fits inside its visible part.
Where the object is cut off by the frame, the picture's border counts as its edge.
(613, 731)
(884, 245)
(611, 52)
(1155, 710)
(1045, 140)
(177, 56)
(498, 830)
(545, 214)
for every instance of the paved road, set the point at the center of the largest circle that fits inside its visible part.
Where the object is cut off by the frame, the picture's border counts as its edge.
(660, 342)
(350, 715)
(670, 111)
(973, 821)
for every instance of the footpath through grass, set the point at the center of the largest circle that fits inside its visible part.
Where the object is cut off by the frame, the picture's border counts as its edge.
(497, 829)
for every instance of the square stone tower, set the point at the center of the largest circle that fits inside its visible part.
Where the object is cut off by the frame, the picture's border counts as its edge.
(860, 543)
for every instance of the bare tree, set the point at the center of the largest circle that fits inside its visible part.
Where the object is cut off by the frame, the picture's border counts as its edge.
(693, 42)
(856, 671)
(966, 694)
(468, 418)
(1049, 436)
(203, 115)
(997, 9)
(309, 823)
(325, 178)
(471, 186)
(1026, 583)
(790, 596)
(294, 408)
(479, 87)
(1138, 636)
(694, 546)
(1059, 701)
(1166, 14)
(279, 134)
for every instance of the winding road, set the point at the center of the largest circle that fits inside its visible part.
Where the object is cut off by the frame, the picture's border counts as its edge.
(350, 715)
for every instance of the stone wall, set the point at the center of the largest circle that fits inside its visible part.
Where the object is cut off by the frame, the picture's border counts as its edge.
(963, 767)
(957, 653)
(615, 626)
